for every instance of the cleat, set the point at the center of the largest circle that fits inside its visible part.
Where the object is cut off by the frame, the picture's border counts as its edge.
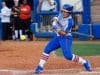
(87, 66)
(38, 70)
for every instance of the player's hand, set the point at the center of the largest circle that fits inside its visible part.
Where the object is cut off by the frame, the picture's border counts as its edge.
(54, 24)
(55, 19)
(62, 33)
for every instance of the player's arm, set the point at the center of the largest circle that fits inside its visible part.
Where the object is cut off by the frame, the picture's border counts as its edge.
(13, 11)
(62, 33)
(66, 29)
(16, 9)
(56, 28)
(54, 23)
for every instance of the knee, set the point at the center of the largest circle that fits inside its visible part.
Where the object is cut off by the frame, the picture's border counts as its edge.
(47, 50)
(68, 56)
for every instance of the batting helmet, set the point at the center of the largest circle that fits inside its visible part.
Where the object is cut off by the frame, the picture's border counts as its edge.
(67, 8)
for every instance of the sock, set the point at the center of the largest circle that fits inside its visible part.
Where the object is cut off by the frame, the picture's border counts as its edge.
(43, 59)
(78, 59)
(42, 62)
(16, 34)
(20, 32)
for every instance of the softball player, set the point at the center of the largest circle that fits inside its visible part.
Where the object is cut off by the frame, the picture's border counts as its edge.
(62, 26)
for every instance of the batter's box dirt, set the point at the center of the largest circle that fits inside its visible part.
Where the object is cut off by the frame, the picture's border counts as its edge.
(24, 56)
(71, 72)
(51, 72)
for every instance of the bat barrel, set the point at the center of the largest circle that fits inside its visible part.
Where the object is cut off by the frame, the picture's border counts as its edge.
(82, 34)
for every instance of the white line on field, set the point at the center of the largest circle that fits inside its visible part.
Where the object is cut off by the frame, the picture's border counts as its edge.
(54, 70)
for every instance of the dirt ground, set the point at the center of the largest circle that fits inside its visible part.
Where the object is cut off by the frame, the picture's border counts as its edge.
(21, 58)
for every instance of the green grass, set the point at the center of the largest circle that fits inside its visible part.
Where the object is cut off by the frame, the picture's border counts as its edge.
(83, 49)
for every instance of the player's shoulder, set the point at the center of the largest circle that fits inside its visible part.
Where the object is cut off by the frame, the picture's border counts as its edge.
(70, 18)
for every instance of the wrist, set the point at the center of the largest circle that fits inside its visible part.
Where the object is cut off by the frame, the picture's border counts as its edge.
(62, 33)
(54, 23)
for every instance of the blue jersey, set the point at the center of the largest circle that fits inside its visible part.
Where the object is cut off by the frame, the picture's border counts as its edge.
(65, 24)
(65, 42)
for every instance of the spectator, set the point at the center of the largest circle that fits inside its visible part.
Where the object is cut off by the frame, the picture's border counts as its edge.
(5, 20)
(9, 3)
(25, 18)
(15, 20)
(46, 5)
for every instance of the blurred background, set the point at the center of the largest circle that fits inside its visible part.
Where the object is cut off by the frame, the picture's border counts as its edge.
(85, 14)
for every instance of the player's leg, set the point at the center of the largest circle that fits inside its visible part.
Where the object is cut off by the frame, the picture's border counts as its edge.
(20, 27)
(66, 44)
(27, 28)
(51, 46)
(82, 61)
(16, 28)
